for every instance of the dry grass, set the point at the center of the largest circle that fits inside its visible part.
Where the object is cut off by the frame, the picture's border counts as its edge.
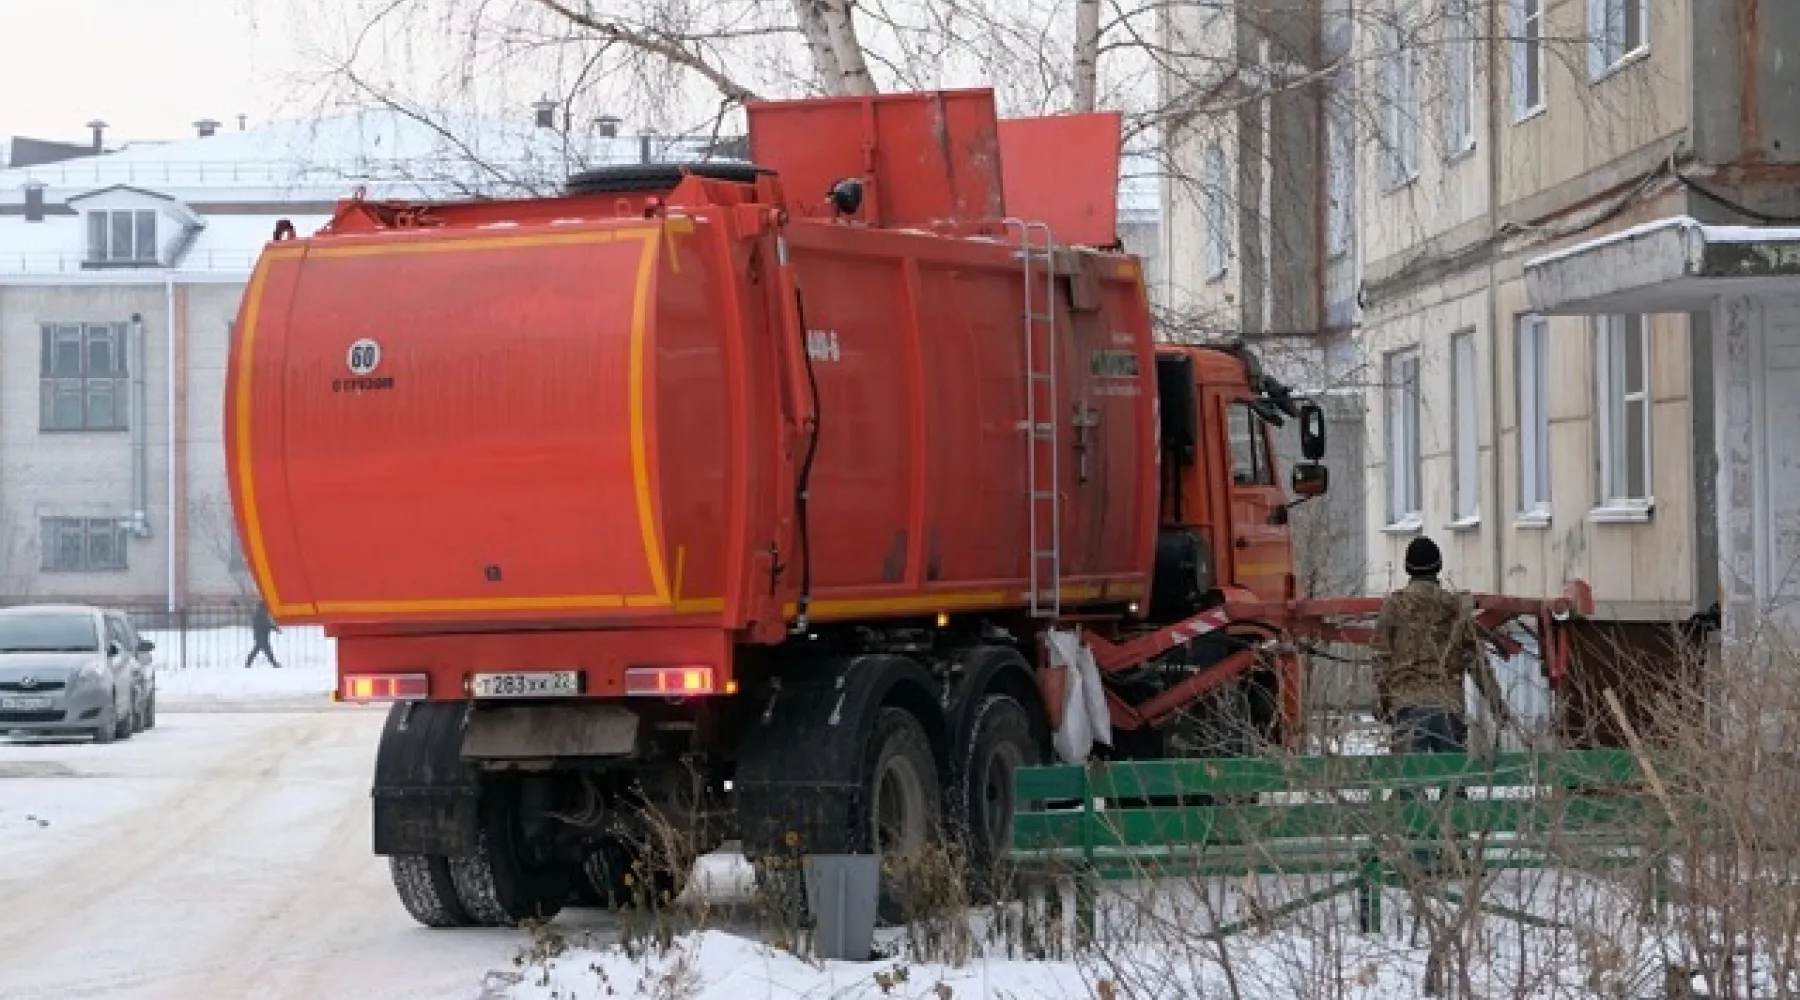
(1723, 808)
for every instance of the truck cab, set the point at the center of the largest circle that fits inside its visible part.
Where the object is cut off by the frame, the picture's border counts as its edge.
(1223, 527)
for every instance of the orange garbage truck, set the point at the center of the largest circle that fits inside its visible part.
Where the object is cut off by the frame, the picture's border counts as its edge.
(756, 499)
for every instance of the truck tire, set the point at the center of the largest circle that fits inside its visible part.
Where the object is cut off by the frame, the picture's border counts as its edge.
(902, 801)
(1000, 742)
(897, 805)
(630, 178)
(425, 888)
(500, 885)
(617, 877)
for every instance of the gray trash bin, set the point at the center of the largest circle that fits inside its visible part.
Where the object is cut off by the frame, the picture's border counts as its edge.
(842, 891)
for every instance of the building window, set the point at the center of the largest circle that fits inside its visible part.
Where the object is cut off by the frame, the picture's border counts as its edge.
(1340, 152)
(1460, 32)
(1534, 418)
(1617, 30)
(83, 545)
(1465, 398)
(1217, 193)
(1528, 57)
(1404, 505)
(1622, 389)
(122, 236)
(83, 377)
(1402, 132)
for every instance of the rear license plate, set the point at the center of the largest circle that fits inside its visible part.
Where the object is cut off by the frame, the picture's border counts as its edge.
(537, 684)
(24, 704)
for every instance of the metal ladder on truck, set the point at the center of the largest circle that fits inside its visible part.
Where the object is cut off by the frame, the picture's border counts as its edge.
(1037, 256)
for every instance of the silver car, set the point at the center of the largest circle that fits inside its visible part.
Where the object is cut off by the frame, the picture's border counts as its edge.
(66, 670)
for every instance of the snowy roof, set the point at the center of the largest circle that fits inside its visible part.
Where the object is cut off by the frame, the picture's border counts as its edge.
(305, 165)
(394, 153)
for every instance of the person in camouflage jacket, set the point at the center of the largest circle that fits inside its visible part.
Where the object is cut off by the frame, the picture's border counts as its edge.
(1426, 642)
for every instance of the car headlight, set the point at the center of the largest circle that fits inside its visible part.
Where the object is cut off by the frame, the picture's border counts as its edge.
(94, 672)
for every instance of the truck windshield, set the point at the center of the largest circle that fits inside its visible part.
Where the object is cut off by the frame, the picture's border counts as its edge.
(48, 632)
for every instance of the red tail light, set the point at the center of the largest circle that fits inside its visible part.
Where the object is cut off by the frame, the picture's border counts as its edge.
(672, 682)
(384, 687)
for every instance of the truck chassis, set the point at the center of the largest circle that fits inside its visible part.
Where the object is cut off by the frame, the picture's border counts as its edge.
(855, 740)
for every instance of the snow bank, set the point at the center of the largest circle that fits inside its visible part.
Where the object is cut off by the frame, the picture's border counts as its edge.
(713, 965)
(1153, 945)
(201, 667)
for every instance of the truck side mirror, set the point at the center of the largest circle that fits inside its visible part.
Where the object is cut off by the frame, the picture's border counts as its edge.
(1310, 479)
(1312, 432)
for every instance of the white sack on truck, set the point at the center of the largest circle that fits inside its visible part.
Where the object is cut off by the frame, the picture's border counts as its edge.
(1085, 719)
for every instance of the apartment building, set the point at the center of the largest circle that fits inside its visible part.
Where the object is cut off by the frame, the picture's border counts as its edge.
(121, 273)
(1460, 140)
(1535, 448)
(1251, 248)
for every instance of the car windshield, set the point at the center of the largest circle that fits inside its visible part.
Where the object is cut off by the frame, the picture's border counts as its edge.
(48, 632)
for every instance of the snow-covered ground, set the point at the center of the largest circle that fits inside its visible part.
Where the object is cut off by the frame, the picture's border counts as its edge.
(219, 855)
(204, 669)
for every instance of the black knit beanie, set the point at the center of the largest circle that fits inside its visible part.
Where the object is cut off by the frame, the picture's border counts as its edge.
(1423, 558)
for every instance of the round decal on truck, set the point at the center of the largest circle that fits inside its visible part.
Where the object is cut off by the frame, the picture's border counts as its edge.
(365, 356)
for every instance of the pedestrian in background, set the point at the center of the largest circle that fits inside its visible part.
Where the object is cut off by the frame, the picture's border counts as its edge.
(262, 627)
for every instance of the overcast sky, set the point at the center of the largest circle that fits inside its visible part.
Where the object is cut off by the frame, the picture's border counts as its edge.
(149, 68)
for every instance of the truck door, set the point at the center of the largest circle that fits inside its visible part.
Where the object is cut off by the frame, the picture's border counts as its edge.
(1261, 546)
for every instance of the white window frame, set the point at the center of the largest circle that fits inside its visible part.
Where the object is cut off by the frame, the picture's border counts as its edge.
(1400, 133)
(1609, 24)
(1617, 402)
(1216, 192)
(141, 237)
(1405, 495)
(1460, 100)
(1532, 374)
(1465, 402)
(1340, 169)
(1528, 93)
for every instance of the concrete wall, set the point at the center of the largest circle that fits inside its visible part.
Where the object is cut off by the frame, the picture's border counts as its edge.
(1746, 82)
(1273, 149)
(215, 568)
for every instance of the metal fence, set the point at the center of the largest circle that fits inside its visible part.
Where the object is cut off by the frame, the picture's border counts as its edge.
(215, 636)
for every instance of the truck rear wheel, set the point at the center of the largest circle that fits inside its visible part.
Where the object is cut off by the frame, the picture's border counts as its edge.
(903, 802)
(896, 813)
(617, 876)
(1000, 742)
(506, 882)
(426, 889)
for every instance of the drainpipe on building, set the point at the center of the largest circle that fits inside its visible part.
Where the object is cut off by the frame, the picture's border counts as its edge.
(139, 524)
(169, 305)
(1495, 504)
(1266, 198)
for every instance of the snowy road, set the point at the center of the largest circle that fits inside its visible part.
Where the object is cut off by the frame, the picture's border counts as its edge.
(220, 855)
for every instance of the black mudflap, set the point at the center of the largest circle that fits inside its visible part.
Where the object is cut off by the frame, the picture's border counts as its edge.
(797, 783)
(798, 786)
(425, 796)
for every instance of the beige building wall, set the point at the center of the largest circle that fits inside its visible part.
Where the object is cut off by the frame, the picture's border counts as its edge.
(1440, 259)
(1187, 192)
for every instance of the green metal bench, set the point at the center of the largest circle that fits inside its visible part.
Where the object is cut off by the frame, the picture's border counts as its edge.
(1211, 818)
